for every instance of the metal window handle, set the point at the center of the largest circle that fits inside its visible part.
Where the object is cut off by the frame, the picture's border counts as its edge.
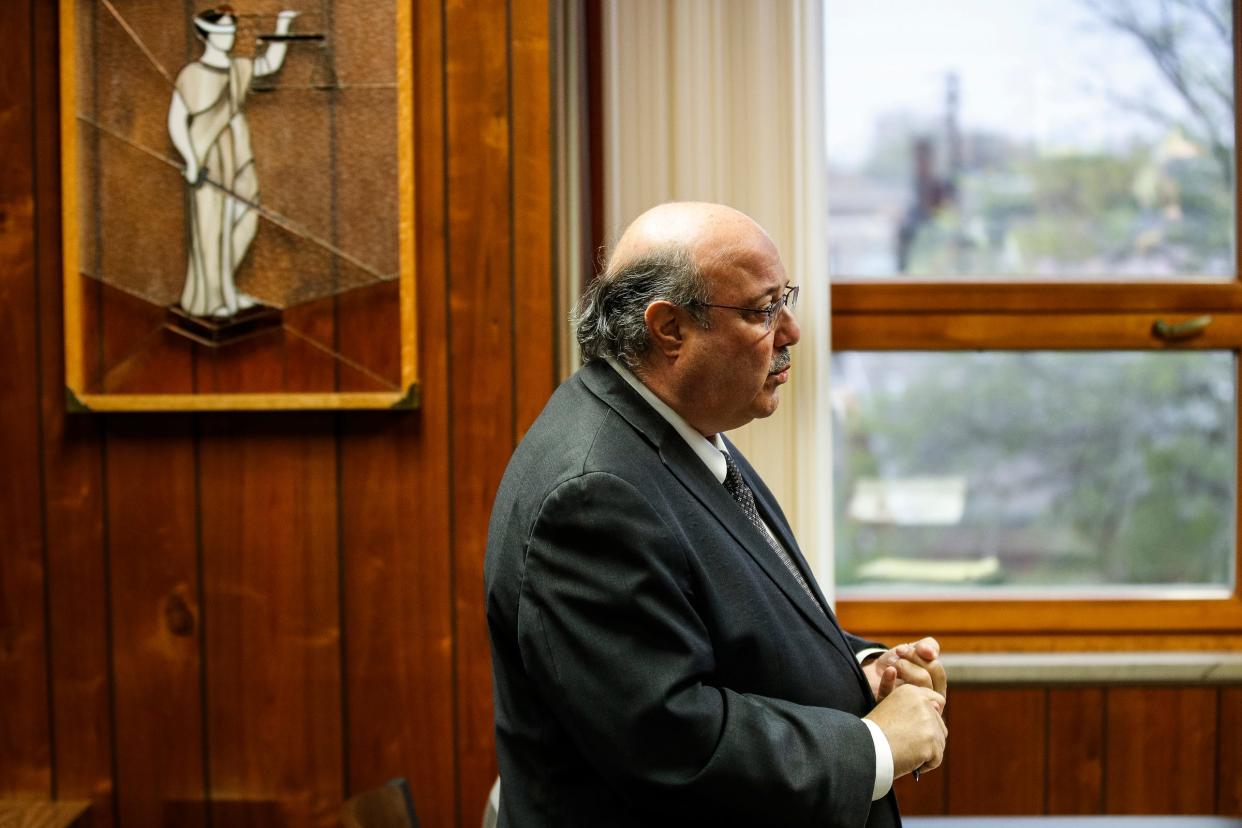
(1180, 331)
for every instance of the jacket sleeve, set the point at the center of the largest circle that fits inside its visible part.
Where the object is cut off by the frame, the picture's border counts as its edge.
(607, 628)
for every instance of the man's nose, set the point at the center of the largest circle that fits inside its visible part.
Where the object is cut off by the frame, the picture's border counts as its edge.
(786, 331)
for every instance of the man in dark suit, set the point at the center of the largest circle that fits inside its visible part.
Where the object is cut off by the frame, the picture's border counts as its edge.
(662, 654)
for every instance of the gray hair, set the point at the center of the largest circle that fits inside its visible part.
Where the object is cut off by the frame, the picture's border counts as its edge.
(610, 320)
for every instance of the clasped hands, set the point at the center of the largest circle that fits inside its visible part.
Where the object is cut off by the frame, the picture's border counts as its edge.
(910, 686)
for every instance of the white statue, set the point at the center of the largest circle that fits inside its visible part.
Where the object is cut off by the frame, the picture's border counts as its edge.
(208, 128)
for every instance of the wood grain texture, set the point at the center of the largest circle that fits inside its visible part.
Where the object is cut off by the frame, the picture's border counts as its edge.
(1161, 745)
(396, 523)
(268, 524)
(1229, 752)
(1076, 751)
(155, 618)
(1072, 331)
(535, 327)
(1046, 618)
(1032, 297)
(44, 814)
(925, 797)
(481, 385)
(73, 490)
(1043, 642)
(25, 738)
(997, 740)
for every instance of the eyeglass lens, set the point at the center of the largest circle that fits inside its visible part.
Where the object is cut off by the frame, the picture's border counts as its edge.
(789, 300)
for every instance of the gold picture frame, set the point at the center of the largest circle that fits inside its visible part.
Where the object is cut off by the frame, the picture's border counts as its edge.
(238, 196)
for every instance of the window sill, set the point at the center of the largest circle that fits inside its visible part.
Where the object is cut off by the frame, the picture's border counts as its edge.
(1219, 667)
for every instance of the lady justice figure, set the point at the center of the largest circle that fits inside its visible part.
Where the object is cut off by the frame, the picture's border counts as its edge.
(208, 128)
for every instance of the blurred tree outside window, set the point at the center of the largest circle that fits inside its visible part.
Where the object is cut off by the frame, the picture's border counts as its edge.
(1017, 193)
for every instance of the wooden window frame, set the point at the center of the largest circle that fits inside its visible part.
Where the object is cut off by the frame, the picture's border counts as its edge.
(1087, 314)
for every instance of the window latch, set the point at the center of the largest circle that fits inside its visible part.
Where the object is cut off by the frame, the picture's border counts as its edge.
(1180, 331)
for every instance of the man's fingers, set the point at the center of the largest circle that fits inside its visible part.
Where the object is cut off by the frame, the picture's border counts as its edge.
(936, 700)
(924, 654)
(912, 673)
(888, 680)
(939, 678)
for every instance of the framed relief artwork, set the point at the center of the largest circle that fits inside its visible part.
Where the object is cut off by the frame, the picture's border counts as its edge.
(238, 197)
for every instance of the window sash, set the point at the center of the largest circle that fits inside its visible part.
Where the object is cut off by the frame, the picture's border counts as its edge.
(1038, 317)
(884, 619)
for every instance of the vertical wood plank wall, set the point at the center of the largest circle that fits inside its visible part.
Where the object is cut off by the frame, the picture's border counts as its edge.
(1086, 750)
(243, 619)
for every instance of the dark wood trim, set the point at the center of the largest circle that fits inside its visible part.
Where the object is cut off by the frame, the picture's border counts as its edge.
(156, 621)
(1050, 618)
(984, 774)
(79, 634)
(595, 145)
(25, 718)
(532, 254)
(937, 331)
(965, 296)
(482, 400)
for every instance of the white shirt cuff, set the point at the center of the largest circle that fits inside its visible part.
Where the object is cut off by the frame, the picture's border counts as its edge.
(883, 761)
(863, 655)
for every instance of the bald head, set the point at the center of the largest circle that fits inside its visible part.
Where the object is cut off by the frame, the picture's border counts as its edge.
(708, 234)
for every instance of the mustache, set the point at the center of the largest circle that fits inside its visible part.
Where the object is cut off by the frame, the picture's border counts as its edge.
(780, 361)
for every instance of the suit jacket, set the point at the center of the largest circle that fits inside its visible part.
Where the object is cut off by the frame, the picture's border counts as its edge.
(654, 662)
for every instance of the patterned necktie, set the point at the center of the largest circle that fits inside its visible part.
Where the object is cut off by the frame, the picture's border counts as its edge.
(745, 498)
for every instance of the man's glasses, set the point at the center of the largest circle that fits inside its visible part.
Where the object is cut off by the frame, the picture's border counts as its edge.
(771, 312)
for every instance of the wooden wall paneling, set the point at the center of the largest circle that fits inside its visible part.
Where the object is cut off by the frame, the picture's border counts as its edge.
(1229, 752)
(25, 739)
(271, 615)
(1013, 330)
(1092, 643)
(925, 797)
(997, 740)
(535, 328)
(1076, 750)
(1063, 621)
(481, 383)
(397, 573)
(72, 486)
(968, 296)
(155, 619)
(1161, 750)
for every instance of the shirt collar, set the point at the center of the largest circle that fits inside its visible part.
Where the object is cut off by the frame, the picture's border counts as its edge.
(709, 451)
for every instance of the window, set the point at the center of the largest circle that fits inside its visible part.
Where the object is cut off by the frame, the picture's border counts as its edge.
(1033, 245)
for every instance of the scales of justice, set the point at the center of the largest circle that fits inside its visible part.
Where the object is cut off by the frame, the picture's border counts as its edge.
(208, 128)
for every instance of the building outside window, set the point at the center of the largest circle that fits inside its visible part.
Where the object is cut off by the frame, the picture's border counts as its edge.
(1036, 312)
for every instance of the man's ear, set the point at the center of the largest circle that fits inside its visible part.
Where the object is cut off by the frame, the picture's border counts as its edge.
(664, 327)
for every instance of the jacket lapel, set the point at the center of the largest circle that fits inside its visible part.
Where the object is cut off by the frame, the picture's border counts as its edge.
(775, 519)
(780, 527)
(681, 460)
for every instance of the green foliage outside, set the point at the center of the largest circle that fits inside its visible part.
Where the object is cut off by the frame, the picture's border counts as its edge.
(1081, 469)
